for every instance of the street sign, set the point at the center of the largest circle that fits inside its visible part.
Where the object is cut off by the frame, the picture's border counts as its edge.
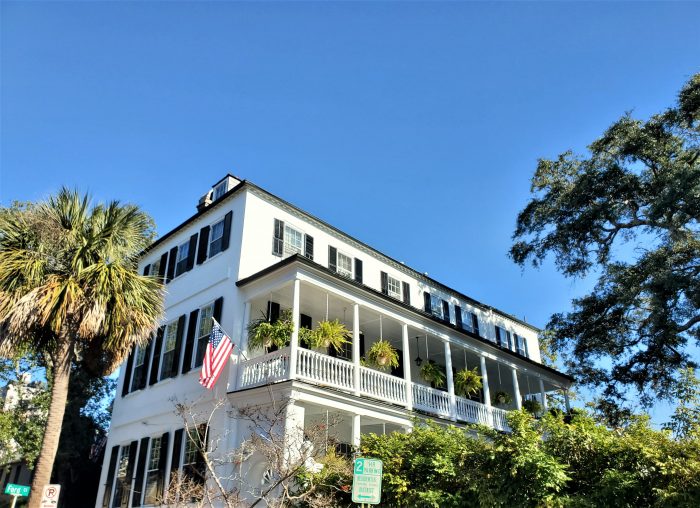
(49, 497)
(17, 490)
(367, 481)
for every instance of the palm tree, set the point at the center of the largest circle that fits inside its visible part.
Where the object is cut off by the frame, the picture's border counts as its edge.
(70, 293)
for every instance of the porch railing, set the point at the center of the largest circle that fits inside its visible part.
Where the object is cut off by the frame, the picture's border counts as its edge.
(382, 386)
(324, 370)
(431, 400)
(265, 369)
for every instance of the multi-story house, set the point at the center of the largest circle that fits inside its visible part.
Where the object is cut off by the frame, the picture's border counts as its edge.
(246, 253)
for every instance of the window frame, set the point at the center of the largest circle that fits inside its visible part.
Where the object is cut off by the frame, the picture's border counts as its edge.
(212, 240)
(340, 270)
(436, 308)
(149, 470)
(154, 268)
(143, 365)
(181, 262)
(219, 190)
(173, 325)
(202, 340)
(120, 486)
(397, 295)
(286, 252)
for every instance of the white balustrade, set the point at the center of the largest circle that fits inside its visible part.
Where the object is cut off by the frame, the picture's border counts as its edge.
(382, 386)
(499, 419)
(265, 369)
(472, 412)
(324, 370)
(431, 400)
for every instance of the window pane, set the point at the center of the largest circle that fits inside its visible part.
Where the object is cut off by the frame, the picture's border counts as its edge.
(293, 240)
(182, 253)
(344, 265)
(216, 237)
(394, 287)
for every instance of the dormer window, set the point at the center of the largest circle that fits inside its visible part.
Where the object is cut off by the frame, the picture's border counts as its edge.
(220, 189)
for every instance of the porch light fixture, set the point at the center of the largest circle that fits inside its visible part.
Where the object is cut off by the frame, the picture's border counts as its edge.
(418, 359)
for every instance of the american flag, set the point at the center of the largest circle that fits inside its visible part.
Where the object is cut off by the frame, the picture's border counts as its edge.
(215, 358)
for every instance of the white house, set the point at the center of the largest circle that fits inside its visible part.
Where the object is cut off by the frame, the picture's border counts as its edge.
(247, 253)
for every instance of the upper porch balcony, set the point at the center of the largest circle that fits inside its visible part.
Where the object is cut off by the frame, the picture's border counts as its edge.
(313, 294)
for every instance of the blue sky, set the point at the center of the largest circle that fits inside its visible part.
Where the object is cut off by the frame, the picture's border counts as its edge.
(413, 126)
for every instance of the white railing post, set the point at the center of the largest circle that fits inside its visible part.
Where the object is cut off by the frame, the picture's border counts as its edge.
(485, 381)
(242, 344)
(543, 395)
(356, 347)
(294, 343)
(450, 379)
(356, 431)
(407, 367)
(516, 389)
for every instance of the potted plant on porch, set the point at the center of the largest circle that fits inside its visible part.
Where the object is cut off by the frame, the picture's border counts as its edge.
(433, 374)
(532, 406)
(383, 355)
(328, 334)
(501, 398)
(262, 334)
(467, 382)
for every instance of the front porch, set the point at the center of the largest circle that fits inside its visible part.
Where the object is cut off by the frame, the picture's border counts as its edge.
(313, 295)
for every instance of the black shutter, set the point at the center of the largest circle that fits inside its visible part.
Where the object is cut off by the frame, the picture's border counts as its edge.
(200, 465)
(190, 342)
(406, 293)
(332, 258)
(475, 324)
(498, 336)
(527, 354)
(458, 316)
(146, 270)
(358, 270)
(177, 448)
(127, 373)
(362, 345)
(137, 493)
(172, 260)
(273, 311)
(203, 245)
(510, 341)
(191, 252)
(306, 322)
(163, 265)
(218, 307)
(226, 240)
(155, 357)
(445, 310)
(385, 282)
(175, 368)
(130, 467)
(110, 476)
(162, 460)
(309, 246)
(146, 362)
(426, 303)
(278, 238)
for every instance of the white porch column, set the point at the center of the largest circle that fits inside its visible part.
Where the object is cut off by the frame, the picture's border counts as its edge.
(516, 389)
(566, 401)
(407, 367)
(450, 380)
(356, 348)
(294, 344)
(485, 381)
(356, 430)
(242, 345)
(544, 396)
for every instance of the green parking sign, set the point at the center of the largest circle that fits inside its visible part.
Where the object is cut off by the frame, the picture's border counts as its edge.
(17, 490)
(367, 481)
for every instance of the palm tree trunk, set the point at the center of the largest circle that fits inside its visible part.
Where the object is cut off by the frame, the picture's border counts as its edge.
(49, 445)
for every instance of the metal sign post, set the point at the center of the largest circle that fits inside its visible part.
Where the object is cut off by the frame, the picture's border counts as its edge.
(16, 491)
